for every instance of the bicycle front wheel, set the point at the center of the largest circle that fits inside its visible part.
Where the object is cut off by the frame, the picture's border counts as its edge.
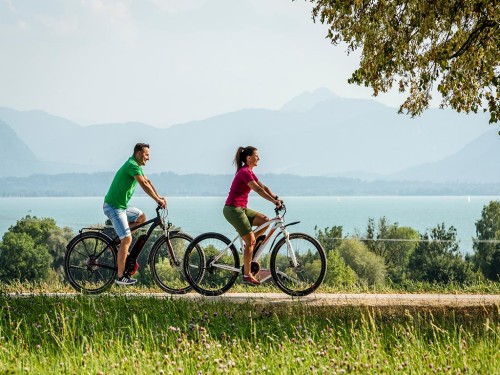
(166, 265)
(213, 270)
(298, 266)
(90, 262)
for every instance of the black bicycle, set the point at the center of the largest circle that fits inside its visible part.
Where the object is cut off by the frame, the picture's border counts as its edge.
(90, 260)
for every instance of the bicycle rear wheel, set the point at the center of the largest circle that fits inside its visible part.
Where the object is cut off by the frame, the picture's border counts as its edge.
(168, 271)
(213, 270)
(90, 262)
(310, 269)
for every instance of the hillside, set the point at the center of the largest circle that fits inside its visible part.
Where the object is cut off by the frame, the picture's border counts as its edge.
(477, 161)
(314, 134)
(171, 184)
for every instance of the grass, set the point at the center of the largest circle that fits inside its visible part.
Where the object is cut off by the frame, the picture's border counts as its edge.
(119, 334)
(479, 287)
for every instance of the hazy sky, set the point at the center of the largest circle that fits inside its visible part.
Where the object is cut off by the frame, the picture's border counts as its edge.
(165, 61)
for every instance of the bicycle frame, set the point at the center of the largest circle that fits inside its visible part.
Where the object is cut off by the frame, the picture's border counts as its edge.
(273, 224)
(156, 221)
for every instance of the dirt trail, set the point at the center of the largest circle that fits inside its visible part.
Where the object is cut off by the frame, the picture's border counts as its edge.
(327, 299)
(362, 299)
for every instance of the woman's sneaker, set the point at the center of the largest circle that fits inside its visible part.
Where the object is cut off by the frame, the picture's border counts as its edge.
(125, 280)
(250, 280)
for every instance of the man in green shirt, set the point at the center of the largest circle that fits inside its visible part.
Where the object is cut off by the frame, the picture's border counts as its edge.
(116, 204)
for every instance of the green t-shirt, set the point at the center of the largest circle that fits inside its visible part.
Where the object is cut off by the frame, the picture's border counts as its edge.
(123, 186)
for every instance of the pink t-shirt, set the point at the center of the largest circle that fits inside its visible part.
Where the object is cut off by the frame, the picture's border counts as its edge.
(238, 194)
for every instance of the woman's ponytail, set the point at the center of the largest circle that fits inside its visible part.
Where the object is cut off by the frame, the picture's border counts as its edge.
(242, 153)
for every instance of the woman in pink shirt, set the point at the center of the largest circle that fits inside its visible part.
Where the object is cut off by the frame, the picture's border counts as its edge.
(236, 211)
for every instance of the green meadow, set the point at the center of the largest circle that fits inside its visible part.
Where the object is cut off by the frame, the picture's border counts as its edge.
(120, 334)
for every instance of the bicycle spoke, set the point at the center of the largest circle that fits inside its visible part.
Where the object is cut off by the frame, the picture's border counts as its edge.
(213, 278)
(166, 263)
(310, 264)
(90, 263)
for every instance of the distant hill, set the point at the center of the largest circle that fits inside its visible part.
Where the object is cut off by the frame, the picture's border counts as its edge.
(15, 154)
(172, 184)
(308, 100)
(477, 161)
(37, 128)
(314, 134)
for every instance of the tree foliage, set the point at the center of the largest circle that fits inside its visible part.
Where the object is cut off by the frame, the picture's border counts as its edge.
(437, 258)
(27, 247)
(369, 267)
(394, 243)
(329, 238)
(487, 250)
(415, 44)
(338, 273)
(22, 259)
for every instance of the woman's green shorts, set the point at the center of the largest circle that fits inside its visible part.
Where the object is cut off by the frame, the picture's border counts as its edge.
(240, 218)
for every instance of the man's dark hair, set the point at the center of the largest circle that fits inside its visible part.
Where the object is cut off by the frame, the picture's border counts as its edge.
(140, 147)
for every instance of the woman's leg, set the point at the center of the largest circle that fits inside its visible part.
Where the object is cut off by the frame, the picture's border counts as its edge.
(249, 240)
(259, 219)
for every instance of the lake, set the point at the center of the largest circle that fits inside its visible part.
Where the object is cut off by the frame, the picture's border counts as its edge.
(196, 215)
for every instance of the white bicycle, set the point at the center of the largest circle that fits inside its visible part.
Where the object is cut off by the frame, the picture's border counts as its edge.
(297, 262)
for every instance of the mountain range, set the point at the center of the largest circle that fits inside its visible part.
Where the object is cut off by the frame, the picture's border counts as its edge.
(314, 134)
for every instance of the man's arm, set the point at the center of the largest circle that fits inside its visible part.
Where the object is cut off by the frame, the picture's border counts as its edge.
(150, 190)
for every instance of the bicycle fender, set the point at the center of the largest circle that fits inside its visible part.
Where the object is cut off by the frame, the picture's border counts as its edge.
(281, 233)
(104, 236)
(293, 223)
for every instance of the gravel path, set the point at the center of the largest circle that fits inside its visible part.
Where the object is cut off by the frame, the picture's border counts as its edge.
(361, 299)
(327, 299)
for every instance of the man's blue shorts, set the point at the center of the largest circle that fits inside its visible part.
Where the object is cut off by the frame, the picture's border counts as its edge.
(120, 218)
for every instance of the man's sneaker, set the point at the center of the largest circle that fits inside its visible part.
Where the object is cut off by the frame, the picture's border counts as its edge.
(250, 280)
(125, 280)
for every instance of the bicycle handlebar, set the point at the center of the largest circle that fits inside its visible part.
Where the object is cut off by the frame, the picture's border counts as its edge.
(280, 208)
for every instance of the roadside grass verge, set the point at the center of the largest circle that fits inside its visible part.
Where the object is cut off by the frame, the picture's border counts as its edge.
(479, 287)
(118, 334)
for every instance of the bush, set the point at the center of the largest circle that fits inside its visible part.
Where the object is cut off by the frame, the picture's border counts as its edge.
(368, 266)
(396, 254)
(437, 258)
(33, 249)
(22, 259)
(338, 273)
(487, 250)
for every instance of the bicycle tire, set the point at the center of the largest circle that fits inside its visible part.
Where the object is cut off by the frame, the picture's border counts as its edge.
(90, 262)
(166, 273)
(207, 279)
(310, 272)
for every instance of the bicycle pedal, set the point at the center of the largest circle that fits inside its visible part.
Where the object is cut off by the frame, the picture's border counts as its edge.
(132, 268)
(254, 268)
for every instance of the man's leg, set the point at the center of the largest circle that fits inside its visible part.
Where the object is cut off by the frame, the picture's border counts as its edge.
(122, 254)
(120, 219)
(140, 219)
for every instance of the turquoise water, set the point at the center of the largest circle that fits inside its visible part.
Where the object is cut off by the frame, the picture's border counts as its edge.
(202, 214)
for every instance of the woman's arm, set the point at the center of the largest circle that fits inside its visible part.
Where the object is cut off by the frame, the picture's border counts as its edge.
(264, 192)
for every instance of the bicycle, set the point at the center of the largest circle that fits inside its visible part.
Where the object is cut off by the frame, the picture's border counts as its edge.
(90, 260)
(297, 262)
